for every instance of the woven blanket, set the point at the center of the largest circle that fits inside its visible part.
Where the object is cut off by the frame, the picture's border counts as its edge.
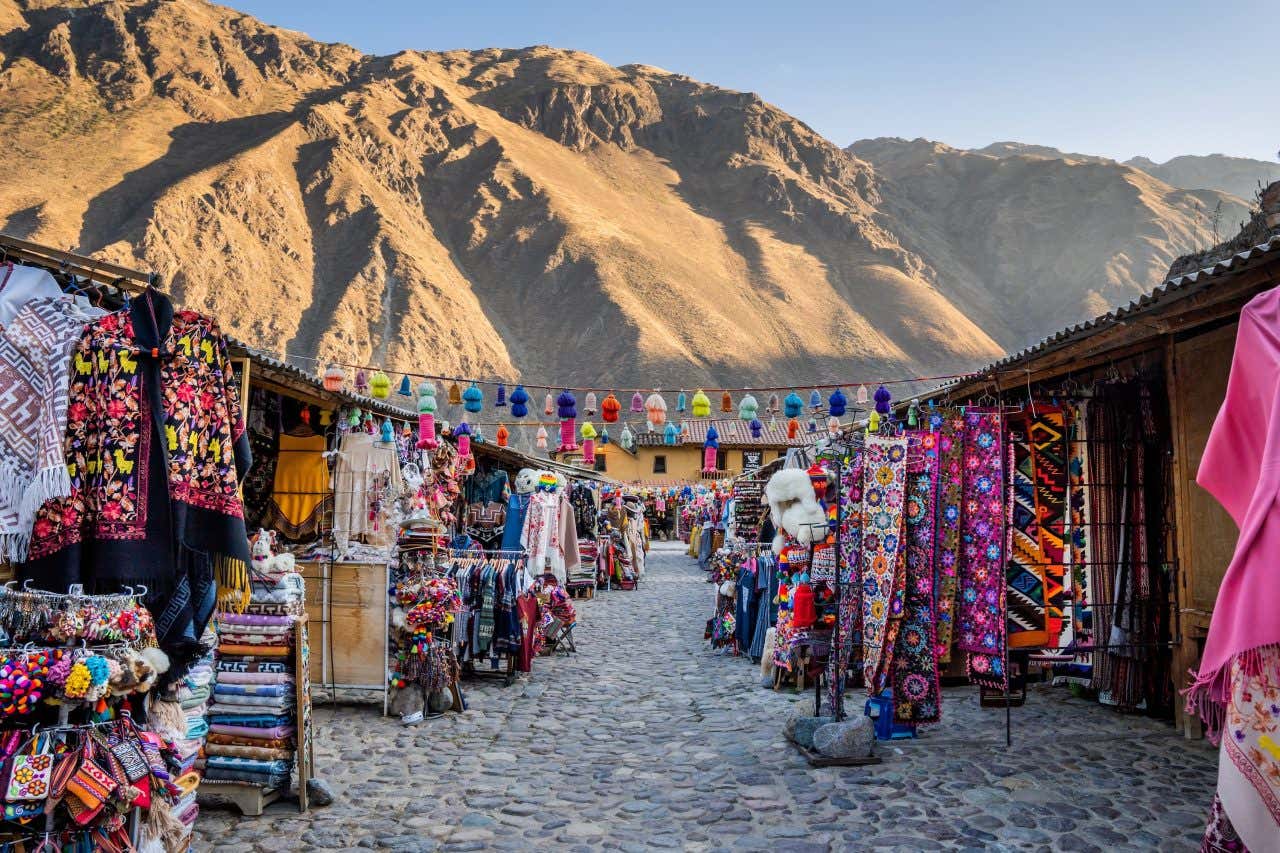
(261, 753)
(980, 621)
(35, 373)
(248, 663)
(264, 742)
(254, 678)
(917, 691)
(1049, 451)
(256, 619)
(884, 480)
(189, 698)
(189, 814)
(1081, 621)
(949, 428)
(270, 780)
(197, 727)
(248, 765)
(252, 650)
(244, 718)
(258, 708)
(850, 610)
(224, 690)
(1025, 570)
(272, 733)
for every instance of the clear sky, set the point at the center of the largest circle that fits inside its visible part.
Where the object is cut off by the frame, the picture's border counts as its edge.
(1116, 78)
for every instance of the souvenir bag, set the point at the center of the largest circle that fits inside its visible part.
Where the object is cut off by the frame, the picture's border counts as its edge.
(823, 568)
(64, 767)
(92, 784)
(31, 771)
(129, 766)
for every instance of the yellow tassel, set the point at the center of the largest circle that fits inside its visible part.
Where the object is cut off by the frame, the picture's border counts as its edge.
(234, 591)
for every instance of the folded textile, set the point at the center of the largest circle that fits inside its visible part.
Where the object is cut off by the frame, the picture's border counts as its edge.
(227, 630)
(198, 677)
(253, 690)
(266, 780)
(236, 710)
(255, 619)
(253, 650)
(254, 678)
(187, 765)
(252, 664)
(196, 698)
(232, 704)
(188, 746)
(261, 742)
(264, 721)
(184, 802)
(262, 753)
(250, 765)
(250, 731)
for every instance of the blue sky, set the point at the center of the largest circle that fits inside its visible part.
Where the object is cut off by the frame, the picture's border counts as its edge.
(1112, 78)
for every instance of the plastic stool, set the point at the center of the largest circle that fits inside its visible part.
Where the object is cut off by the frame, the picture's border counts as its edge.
(880, 709)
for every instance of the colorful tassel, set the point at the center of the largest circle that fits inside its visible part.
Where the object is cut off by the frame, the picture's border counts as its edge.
(685, 434)
(862, 395)
(362, 381)
(568, 435)
(388, 431)
(628, 438)
(541, 439)
(426, 415)
(503, 435)
(637, 403)
(519, 402)
(748, 408)
(473, 399)
(709, 455)
(462, 433)
(773, 402)
(701, 405)
(882, 400)
(380, 386)
(713, 437)
(837, 404)
(566, 405)
(815, 399)
(671, 435)
(726, 402)
(793, 428)
(455, 395)
(549, 405)
(681, 403)
(757, 428)
(793, 405)
(656, 406)
(406, 387)
(590, 407)
(501, 401)
(333, 378)
(604, 435)
(610, 408)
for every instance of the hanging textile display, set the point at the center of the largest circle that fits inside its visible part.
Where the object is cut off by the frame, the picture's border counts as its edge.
(950, 449)
(156, 447)
(1047, 435)
(980, 620)
(1025, 570)
(849, 610)
(882, 500)
(916, 687)
(1079, 559)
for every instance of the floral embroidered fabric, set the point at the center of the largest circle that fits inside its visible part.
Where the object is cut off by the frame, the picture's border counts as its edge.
(883, 494)
(981, 618)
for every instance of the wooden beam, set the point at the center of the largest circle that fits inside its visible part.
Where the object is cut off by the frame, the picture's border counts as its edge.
(83, 266)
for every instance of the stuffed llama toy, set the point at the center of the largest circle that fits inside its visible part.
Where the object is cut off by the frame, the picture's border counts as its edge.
(264, 562)
(794, 508)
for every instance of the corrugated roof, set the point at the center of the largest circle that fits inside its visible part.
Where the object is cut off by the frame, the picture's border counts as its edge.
(1169, 290)
(733, 432)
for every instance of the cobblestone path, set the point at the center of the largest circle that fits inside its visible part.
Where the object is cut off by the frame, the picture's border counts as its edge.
(648, 739)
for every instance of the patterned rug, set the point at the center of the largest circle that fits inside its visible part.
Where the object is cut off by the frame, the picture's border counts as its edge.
(916, 687)
(1049, 450)
(884, 484)
(849, 610)
(980, 622)
(1081, 621)
(1025, 570)
(949, 427)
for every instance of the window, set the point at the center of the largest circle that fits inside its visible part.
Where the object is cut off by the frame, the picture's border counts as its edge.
(601, 462)
(782, 454)
(659, 464)
(722, 460)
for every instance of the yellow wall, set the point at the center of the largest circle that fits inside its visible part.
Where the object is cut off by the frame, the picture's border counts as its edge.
(684, 463)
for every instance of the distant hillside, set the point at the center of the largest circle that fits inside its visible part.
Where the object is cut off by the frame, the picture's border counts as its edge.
(1238, 176)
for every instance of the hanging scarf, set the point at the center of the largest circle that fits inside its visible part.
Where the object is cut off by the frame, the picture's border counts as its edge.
(981, 612)
(916, 686)
(35, 363)
(882, 497)
(950, 433)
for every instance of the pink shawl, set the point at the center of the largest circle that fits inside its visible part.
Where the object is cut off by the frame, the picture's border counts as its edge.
(1241, 468)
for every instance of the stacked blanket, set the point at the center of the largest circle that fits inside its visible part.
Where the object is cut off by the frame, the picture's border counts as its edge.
(193, 695)
(253, 704)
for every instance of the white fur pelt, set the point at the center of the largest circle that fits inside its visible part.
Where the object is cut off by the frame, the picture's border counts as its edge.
(794, 508)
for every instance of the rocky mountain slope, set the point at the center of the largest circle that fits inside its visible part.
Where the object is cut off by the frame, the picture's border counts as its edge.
(1239, 176)
(538, 212)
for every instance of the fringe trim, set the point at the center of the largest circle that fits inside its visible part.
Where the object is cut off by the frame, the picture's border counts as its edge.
(234, 588)
(29, 494)
(1210, 692)
(47, 484)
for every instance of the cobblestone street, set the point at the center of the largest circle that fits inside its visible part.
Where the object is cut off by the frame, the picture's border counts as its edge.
(648, 739)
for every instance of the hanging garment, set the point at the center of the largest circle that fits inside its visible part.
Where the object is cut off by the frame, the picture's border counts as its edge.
(1048, 436)
(264, 442)
(1080, 670)
(517, 506)
(950, 440)
(155, 448)
(1237, 686)
(300, 491)
(19, 285)
(366, 481)
(35, 367)
(917, 690)
(541, 536)
(882, 499)
(980, 618)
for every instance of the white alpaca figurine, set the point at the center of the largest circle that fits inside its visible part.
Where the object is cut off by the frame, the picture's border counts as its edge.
(794, 508)
(264, 562)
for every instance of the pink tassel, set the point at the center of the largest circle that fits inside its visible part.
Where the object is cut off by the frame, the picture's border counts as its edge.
(589, 451)
(709, 459)
(427, 431)
(464, 445)
(568, 432)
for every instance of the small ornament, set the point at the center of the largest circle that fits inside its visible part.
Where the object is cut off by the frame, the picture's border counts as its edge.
(610, 408)
(426, 415)
(637, 403)
(541, 439)
(710, 448)
(462, 433)
(913, 415)
(628, 438)
(815, 399)
(333, 378)
(406, 387)
(701, 405)
(503, 435)
(793, 405)
(588, 432)
(604, 435)
(589, 407)
(862, 395)
(833, 426)
(837, 404)
(726, 402)
(793, 428)
(657, 409)
(882, 400)
(362, 381)
(757, 428)
(501, 401)
(379, 385)
(549, 405)
(681, 403)
(748, 407)
(773, 403)
(388, 432)
(473, 399)
(671, 435)
(519, 402)
(455, 395)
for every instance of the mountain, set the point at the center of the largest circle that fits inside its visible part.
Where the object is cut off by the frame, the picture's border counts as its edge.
(1239, 176)
(538, 212)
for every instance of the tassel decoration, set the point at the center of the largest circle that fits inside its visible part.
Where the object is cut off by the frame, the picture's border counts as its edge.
(637, 403)
(710, 448)
(793, 428)
(671, 435)
(656, 406)
(604, 435)
(503, 435)
(541, 439)
(426, 415)
(455, 395)
(793, 405)
(519, 402)
(628, 438)
(815, 399)
(406, 387)
(701, 405)
(588, 432)
(362, 381)
(882, 400)
(757, 428)
(681, 403)
(610, 408)
(549, 405)
(380, 386)
(462, 433)
(326, 417)
(773, 402)
(685, 435)
(837, 404)
(748, 408)
(388, 431)
(501, 402)
(473, 399)
(862, 395)
(566, 405)
(590, 407)
(726, 402)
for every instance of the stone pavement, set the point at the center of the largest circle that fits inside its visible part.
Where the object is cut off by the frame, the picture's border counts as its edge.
(648, 739)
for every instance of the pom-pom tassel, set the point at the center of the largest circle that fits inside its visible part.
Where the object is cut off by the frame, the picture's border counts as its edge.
(637, 403)
(837, 404)
(793, 405)
(709, 454)
(549, 405)
(333, 378)
(503, 435)
(462, 433)
(519, 402)
(681, 403)
(748, 407)
(406, 387)
(589, 406)
(701, 405)
(380, 386)
(541, 440)
(568, 435)
(726, 402)
(455, 395)
(610, 408)
(473, 399)
(793, 428)
(501, 402)
(656, 406)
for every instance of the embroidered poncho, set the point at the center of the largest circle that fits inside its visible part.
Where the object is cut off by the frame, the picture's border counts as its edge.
(155, 445)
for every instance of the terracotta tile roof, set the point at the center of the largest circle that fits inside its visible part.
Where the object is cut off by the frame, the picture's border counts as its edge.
(733, 433)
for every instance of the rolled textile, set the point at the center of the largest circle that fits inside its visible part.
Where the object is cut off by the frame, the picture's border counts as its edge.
(250, 765)
(188, 783)
(253, 650)
(254, 678)
(262, 753)
(261, 742)
(253, 690)
(250, 731)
